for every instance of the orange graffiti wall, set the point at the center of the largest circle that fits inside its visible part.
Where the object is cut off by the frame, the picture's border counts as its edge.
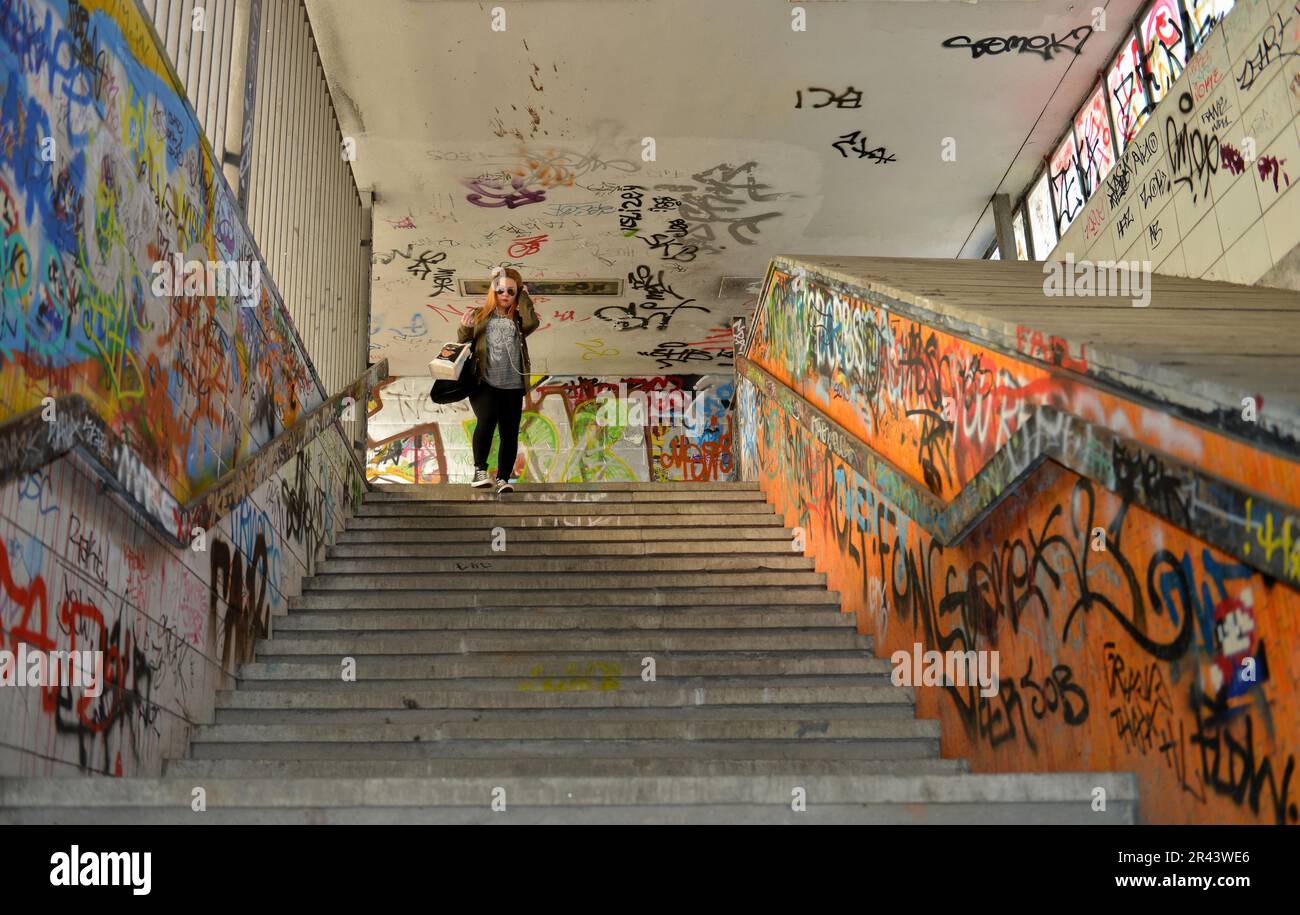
(1143, 649)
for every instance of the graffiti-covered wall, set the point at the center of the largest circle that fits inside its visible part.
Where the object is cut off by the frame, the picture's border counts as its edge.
(671, 428)
(1126, 650)
(79, 573)
(104, 174)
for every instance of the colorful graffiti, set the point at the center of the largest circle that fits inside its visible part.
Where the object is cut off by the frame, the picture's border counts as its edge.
(160, 396)
(939, 408)
(76, 572)
(681, 431)
(1127, 642)
(192, 382)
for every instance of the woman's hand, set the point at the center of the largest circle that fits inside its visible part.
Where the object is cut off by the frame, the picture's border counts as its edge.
(467, 319)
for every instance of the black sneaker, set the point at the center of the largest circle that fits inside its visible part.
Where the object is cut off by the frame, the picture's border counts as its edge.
(480, 479)
(504, 486)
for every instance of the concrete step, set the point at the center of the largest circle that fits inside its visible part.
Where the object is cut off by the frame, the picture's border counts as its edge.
(574, 681)
(723, 814)
(719, 523)
(551, 767)
(506, 749)
(720, 539)
(524, 493)
(611, 550)
(512, 668)
(592, 725)
(477, 669)
(532, 643)
(585, 563)
(546, 693)
(298, 623)
(417, 490)
(1063, 798)
(503, 506)
(527, 599)
(554, 710)
(492, 580)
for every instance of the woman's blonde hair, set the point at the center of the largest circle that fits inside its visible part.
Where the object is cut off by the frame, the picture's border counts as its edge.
(490, 306)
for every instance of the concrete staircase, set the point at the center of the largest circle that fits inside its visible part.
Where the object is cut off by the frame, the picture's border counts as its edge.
(519, 670)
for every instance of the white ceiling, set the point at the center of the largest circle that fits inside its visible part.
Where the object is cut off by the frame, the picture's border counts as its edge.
(562, 99)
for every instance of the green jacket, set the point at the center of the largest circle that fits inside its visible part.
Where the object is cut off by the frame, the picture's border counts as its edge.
(525, 320)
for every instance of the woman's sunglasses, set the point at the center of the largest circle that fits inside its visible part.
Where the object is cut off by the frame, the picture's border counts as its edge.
(503, 291)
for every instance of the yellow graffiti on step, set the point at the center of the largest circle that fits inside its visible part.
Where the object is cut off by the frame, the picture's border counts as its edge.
(598, 675)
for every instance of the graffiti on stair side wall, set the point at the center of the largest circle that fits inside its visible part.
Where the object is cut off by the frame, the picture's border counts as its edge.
(76, 573)
(238, 588)
(563, 436)
(1155, 654)
(1152, 630)
(56, 609)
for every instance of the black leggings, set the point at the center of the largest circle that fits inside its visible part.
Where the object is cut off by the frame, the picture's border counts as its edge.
(495, 407)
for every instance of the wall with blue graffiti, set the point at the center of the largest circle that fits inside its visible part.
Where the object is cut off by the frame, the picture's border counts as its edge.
(106, 187)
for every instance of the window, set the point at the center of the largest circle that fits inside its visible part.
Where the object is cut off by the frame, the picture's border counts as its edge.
(1067, 192)
(1042, 230)
(1128, 100)
(1096, 152)
(1018, 229)
(1164, 46)
(1204, 16)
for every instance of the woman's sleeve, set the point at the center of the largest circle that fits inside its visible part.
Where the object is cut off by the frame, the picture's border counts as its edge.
(530, 318)
(464, 334)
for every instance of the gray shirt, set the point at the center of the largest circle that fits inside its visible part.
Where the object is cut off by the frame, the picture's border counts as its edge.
(505, 364)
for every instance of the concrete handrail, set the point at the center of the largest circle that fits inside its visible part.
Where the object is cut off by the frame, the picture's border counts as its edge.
(30, 440)
(1222, 513)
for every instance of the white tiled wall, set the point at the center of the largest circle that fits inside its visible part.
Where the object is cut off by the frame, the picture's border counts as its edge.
(1223, 224)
